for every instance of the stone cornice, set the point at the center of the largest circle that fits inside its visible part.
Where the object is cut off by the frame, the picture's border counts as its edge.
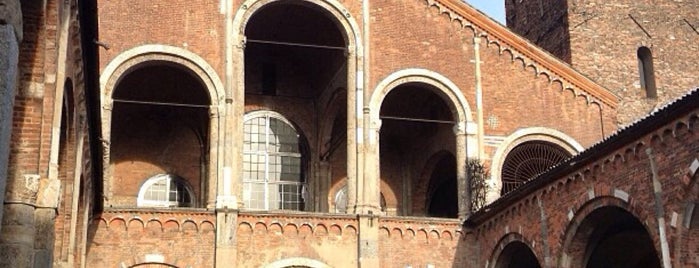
(527, 52)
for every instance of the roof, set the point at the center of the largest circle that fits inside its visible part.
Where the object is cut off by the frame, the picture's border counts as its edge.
(642, 127)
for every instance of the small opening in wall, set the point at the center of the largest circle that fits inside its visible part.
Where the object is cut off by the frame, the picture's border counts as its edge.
(647, 74)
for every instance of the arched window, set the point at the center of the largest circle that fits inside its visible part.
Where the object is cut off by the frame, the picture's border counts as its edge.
(273, 163)
(165, 190)
(645, 68)
(528, 160)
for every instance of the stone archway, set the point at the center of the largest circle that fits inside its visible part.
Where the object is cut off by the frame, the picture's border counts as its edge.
(163, 59)
(247, 30)
(513, 251)
(532, 134)
(447, 111)
(603, 233)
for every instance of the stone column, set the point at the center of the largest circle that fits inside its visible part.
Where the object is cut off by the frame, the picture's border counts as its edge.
(370, 193)
(10, 36)
(462, 178)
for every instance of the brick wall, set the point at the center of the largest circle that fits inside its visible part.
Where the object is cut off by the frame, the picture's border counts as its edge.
(604, 38)
(266, 238)
(183, 239)
(547, 218)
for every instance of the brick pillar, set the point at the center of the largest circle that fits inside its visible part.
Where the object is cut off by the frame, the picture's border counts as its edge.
(10, 36)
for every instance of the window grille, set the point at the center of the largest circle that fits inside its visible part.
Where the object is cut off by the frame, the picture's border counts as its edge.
(528, 160)
(272, 164)
(165, 190)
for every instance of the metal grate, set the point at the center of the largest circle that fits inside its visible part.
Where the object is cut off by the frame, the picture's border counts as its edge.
(272, 166)
(528, 160)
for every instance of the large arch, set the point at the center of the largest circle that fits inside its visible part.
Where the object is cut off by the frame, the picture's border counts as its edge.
(140, 54)
(519, 137)
(354, 61)
(147, 55)
(456, 106)
(446, 88)
(608, 225)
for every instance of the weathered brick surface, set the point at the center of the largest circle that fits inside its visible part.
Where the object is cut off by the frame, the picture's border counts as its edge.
(603, 41)
(183, 238)
(546, 219)
(331, 239)
(518, 91)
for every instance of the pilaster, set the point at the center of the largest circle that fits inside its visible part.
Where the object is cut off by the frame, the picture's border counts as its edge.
(10, 36)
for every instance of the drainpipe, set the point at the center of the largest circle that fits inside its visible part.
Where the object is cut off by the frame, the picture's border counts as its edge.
(659, 211)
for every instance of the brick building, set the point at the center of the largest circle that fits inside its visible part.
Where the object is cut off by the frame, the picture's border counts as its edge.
(325, 133)
(643, 51)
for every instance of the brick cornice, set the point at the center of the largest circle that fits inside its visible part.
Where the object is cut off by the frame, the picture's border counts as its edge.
(522, 48)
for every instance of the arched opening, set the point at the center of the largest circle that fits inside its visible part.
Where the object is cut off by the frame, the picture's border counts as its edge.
(528, 160)
(415, 122)
(275, 163)
(612, 237)
(646, 71)
(442, 194)
(295, 57)
(517, 255)
(160, 125)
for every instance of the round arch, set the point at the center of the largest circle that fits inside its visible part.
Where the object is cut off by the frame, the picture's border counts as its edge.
(295, 262)
(445, 87)
(235, 34)
(521, 136)
(513, 246)
(124, 62)
(576, 246)
(334, 7)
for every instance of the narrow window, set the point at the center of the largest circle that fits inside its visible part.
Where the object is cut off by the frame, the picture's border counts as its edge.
(645, 68)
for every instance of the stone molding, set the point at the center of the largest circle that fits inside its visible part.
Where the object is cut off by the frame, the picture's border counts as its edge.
(518, 137)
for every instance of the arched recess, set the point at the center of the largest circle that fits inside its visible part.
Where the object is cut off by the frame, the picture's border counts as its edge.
(285, 64)
(519, 137)
(435, 193)
(297, 262)
(513, 251)
(417, 111)
(646, 71)
(605, 233)
(160, 93)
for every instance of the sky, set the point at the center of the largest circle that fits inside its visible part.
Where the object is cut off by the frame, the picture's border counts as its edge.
(493, 8)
